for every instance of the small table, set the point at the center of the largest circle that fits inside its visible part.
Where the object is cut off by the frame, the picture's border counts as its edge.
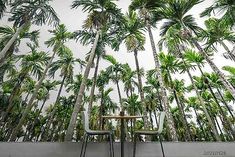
(122, 127)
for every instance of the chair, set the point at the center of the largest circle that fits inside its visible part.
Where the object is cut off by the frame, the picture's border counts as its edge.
(89, 132)
(148, 132)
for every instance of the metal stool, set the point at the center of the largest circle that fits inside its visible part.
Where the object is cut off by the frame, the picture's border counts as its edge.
(89, 132)
(148, 132)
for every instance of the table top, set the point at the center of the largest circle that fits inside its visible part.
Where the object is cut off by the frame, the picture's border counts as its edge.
(121, 117)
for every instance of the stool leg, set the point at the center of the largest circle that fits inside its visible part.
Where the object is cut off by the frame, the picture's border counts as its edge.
(111, 151)
(134, 144)
(83, 142)
(160, 139)
(86, 139)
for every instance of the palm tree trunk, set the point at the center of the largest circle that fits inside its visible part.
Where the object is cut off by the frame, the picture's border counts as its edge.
(30, 104)
(141, 92)
(119, 94)
(93, 85)
(225, 103)
(181, 109)
(199, 123)
(227, 84)
(227, 49)
(151, 119)
(101, 120)
(211, 125)
(26, 97)
(155, 116)
(77, 106)
(10, 42)
(217, 123)
(160, 107)
(170, 121)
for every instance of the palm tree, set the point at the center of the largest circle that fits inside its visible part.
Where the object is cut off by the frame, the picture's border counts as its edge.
(26, 12)
(106, 104)
(218, 31)
(147, 8)
(8, 69)
(7, 33)
(226, 7)
(173, 39)
(195, 58)
(115, 70)
(102, 80)
(133, 107)
(32, 63)
(100, 53)
(186, 24)
(61, 35)
(169, 64)
(134, 40)
(65, 63)
(3, 4)
(100, 13)
(194, 104)
(129, 79)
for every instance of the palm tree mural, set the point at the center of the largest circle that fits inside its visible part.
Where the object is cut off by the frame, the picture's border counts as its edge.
(112, 63)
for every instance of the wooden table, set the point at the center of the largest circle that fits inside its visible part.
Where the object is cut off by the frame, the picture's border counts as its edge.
(122, 118)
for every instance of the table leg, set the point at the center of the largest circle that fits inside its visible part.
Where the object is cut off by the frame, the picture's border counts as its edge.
(122, 137)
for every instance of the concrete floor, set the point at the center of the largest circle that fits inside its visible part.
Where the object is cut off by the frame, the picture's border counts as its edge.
(172, 149)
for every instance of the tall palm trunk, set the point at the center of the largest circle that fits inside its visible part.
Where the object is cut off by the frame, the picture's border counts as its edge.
(77, 106)
(227, 49)
(225, 103)
(93, 85)
(141, 92)
(119, 93)
(30, 104)
(181, 109)
(211, 124)
(218, 125)
(160, 107)
(222, 77)
(10, 42)
(101, 120)
(52, 114)
(199, 123)
(170, 121)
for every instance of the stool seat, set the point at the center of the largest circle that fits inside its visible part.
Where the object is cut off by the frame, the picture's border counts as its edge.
(98, 132)
(146, 132)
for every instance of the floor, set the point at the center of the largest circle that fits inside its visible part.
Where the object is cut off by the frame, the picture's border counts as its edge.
(172, 149)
